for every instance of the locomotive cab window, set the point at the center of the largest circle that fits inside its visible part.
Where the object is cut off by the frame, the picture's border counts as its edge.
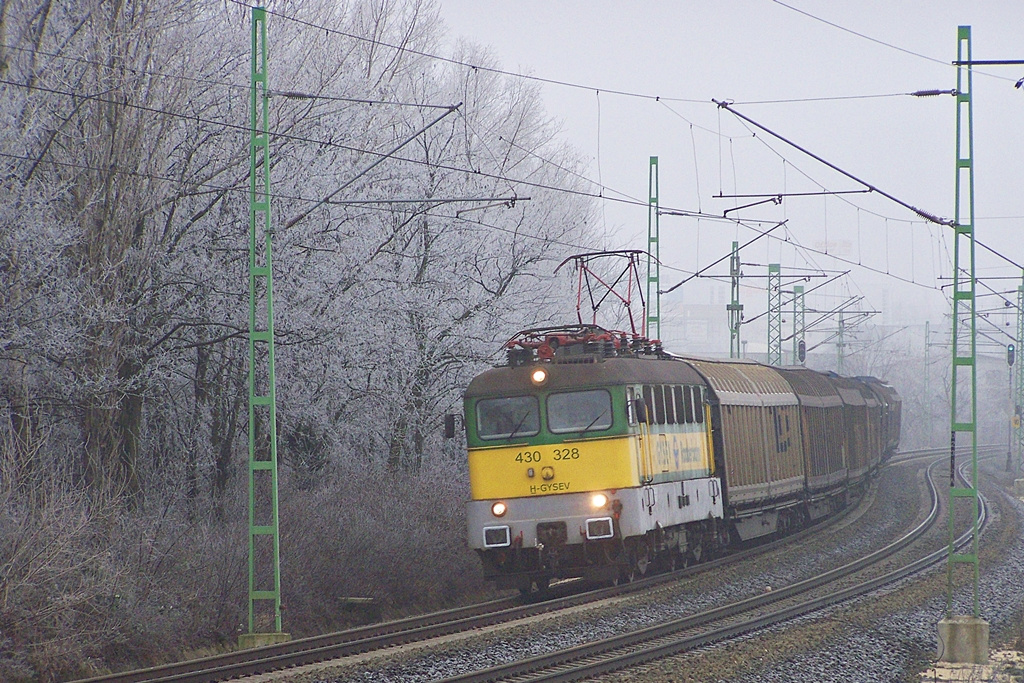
(580, 411)
(659, 405)
(655, 400)
(670, 413)
(506, 418)
(680, 404)
(698, 405)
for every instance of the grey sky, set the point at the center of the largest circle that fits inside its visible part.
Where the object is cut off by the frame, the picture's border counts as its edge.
(761, 50)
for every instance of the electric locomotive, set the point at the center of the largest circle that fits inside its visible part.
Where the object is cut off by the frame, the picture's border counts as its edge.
(588, 456)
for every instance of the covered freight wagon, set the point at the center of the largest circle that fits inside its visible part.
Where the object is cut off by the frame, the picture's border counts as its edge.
(756, 430)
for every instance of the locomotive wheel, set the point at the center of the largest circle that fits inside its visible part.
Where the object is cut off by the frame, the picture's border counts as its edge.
(628, 574)
(670, 560)
(696, 553)
(638, 561)
(642, 558)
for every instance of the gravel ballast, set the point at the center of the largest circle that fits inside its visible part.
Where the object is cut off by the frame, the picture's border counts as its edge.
(893, 508)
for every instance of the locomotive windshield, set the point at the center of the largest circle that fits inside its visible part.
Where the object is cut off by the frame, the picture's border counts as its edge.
(505, 418)
(580, 411)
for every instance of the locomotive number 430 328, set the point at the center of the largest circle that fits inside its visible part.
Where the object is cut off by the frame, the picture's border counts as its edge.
(558, 454)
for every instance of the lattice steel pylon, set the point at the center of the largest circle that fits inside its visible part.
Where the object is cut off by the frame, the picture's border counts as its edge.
(798, 323)
(964, 394)
(735, 308)
(653, 323)
(264, 539)
(774, 314)
(1018, 389)
(841, 345)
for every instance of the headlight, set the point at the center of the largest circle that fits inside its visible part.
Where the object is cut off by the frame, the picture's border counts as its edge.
(599, 500)
(499, 509)
(539, 376)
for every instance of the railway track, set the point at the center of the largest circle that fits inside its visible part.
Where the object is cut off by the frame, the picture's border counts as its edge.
(729, 621)
(414, 629)
(425, 627)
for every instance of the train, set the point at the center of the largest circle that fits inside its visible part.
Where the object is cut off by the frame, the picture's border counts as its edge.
(597, 454)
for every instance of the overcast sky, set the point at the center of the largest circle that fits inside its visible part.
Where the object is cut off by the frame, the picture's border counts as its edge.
(754, 51)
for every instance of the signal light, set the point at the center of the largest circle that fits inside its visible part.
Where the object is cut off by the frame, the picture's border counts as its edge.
(801, 351)
(1010, 353)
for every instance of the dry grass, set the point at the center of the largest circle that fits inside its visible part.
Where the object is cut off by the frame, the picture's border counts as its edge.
(91, 586)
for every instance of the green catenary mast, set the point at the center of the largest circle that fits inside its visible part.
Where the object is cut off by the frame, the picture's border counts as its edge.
(653, 330)
(735, 308)
(798, 323)
(1018, 393)
(774, 314)
(264, 540)
(964, 389)
(841, 344)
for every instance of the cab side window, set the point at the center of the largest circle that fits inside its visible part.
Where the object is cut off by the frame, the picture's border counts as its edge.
(659, 405)
(680, 404)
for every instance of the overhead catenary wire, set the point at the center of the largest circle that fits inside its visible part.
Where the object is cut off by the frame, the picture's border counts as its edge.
(716, 262)
(929, 217)
(806, 175)
(338, 145)
(854, 263)
(372, 204)
(372, 166)
(603, 188)
(601, 194)
(211, 187)
(877, 341)
(290, 94)
(836, 98)
(459, 62)
(920, 212)
(877, 41)
(808, 291)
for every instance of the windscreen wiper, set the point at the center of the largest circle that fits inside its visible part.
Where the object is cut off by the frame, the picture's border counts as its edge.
(593, 422)
(520, 424)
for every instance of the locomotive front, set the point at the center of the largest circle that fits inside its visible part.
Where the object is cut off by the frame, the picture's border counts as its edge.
(572, 446)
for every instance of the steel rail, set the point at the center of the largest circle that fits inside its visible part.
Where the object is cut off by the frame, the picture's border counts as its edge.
(415, 629)
(364, 639)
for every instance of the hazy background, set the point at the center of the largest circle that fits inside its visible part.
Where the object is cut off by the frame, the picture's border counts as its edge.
(767, 57)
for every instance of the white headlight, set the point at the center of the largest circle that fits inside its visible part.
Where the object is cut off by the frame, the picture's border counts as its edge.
(599, 500)
(499, 509)
(539, 376)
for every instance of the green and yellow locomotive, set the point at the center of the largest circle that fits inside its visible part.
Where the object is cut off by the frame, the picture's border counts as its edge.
(587, 458)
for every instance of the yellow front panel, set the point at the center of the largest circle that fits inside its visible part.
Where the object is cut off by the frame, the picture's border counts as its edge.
(591, 465)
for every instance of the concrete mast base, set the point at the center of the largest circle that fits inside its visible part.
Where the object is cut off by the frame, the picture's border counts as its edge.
(963, 640)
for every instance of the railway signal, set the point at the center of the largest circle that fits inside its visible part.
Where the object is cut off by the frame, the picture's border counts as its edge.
(1010, 352)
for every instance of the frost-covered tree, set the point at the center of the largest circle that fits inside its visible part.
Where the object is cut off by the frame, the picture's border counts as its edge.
(124, 164)
(126, 178)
